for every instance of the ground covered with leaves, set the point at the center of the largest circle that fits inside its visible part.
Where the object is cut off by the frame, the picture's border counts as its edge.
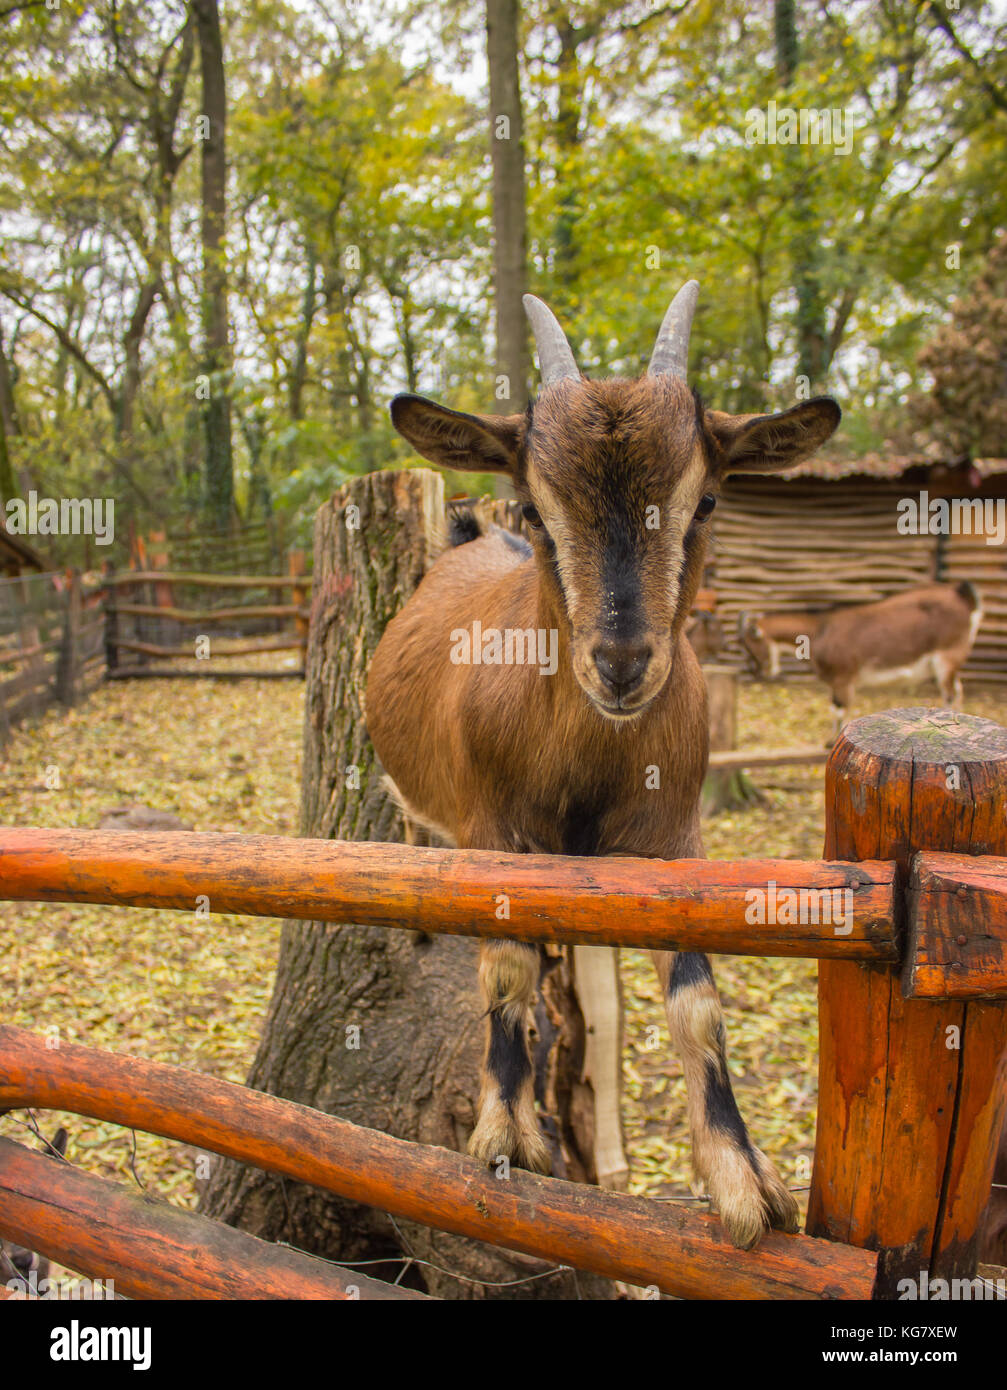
(174, 987)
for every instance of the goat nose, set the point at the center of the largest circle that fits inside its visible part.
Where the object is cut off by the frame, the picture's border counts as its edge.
(621, 665)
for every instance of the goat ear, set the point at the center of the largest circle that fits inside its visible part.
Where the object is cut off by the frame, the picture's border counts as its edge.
(771, 443)
(452, 439)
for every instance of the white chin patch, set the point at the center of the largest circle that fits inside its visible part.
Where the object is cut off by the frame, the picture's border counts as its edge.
(618, 716)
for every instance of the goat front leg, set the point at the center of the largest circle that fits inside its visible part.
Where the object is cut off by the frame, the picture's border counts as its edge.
(745, 1186)
(507, 1126)
(842, 698)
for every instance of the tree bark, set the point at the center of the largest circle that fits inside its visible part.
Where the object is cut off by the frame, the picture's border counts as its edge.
(812, 361)
(509, 220)
(8, 426)
(218, 466)
(381, 1027)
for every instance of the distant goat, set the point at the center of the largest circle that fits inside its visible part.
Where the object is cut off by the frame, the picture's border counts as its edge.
(543, 698)
(921, 632)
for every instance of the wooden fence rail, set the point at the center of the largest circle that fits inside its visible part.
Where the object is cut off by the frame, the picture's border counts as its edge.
(207, 581)
(51, 647)
(150, 1249)
(634, 1238)
(913, 1024)
(686, 904)
(145, 620)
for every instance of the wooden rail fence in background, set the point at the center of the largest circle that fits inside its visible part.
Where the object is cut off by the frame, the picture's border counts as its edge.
(60, 638)
(913, 1029)
(51, 645)
(162, 615)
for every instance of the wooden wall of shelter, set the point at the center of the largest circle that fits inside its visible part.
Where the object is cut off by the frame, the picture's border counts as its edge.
(16, 556)
(826, 535)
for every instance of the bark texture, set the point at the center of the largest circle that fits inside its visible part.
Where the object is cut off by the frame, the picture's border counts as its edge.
(509, 221)
(382, 1027)
(218, 474)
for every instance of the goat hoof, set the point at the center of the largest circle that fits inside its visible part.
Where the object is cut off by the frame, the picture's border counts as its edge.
(751, 1198)
(501, 1137)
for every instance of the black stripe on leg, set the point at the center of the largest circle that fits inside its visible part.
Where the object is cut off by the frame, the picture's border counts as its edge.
(721, 1109)
(690, 968)
(507, 1059)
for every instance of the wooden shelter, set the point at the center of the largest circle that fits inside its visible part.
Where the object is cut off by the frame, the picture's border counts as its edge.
(826, 534)
(16, 558)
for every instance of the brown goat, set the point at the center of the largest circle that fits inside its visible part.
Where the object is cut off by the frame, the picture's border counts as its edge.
(922, 631)
(544, 698)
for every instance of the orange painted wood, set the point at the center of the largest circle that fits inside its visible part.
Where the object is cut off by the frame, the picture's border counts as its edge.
(637, 1239)
(150, 1249)
(910, 1092)
(683, 904)
(956, 940)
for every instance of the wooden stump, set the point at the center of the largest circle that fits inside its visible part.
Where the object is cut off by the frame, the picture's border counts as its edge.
(911, 1090)
(380, 1027)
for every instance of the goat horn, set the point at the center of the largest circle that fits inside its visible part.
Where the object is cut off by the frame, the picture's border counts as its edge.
(555, 359)
(671, 351)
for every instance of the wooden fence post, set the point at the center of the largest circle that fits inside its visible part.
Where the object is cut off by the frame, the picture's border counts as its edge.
(911, 1091)
(68, 669)
(296, 564)
(110, 600)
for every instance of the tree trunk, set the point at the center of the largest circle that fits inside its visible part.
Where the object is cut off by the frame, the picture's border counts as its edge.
(509, 223)
(804, 252)
(383, 1027)
(218, 467)
(8, 426)
(8, 488)
(569, 99)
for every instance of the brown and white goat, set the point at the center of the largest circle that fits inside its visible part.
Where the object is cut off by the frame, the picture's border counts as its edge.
(604, 750)
(924, 631)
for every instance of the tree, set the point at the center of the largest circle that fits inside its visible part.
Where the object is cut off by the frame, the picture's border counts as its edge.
(219, 468)
(804, 254)
(510, 251)
(965, 412)
(8, 425)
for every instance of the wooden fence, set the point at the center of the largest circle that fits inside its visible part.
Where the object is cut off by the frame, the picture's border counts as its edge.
(913, 993)
(783, 545)
(60, 638)
(52, 645)
(160, 616)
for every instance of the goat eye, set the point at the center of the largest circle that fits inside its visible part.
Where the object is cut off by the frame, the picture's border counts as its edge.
(706, 505)
(531, 515)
